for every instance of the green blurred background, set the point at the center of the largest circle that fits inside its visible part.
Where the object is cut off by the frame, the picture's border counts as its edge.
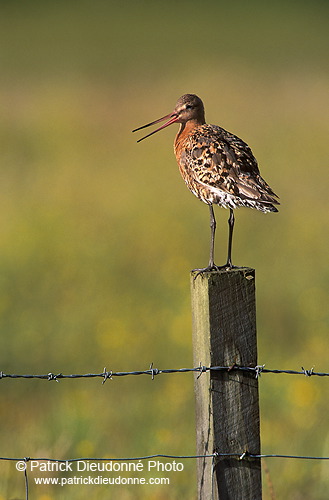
(98, 234)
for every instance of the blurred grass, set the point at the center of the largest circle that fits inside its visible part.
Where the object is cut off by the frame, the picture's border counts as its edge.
(98, 234)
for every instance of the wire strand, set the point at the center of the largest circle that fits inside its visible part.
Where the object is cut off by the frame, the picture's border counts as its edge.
(213, 456)
(240, 456)
(109, 375)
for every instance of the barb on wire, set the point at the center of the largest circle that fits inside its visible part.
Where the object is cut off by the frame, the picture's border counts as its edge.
(258, 370)
(308, 373)
(202, 369)
(153, 371)
(52, 376)
(105, 375)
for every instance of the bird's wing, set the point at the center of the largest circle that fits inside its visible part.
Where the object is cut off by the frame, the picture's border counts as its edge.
(221, 161)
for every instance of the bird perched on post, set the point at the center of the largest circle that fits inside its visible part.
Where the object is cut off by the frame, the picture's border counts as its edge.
(217, 167)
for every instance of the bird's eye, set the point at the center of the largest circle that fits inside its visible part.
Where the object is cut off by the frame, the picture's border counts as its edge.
(188, 106)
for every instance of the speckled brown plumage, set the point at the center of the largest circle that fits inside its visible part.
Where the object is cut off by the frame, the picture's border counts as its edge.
(217, 166)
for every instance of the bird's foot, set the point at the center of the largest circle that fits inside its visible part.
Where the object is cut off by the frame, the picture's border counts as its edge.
(212, 267)
(208, 269)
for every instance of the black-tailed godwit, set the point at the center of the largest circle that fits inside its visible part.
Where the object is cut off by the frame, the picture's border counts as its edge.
(217, 167)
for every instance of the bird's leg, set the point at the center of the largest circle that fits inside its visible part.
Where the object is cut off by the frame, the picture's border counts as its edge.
(211, 266)
(212, 237)
(230, 236)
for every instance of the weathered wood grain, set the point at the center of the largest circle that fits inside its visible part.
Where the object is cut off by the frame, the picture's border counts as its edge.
(227, 404)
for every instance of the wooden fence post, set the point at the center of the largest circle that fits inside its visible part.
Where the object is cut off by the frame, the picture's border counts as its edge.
(227, 404)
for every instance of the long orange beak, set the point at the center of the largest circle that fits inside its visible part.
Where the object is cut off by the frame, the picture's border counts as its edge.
(173, 118)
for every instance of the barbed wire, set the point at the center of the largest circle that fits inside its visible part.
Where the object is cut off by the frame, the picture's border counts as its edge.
(214, 456)
(238, 455)
(107, 375)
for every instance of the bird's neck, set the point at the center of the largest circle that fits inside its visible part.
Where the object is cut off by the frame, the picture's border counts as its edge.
(185, 130)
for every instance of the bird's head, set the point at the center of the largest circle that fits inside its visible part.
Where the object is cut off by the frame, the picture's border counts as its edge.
(189, 107)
